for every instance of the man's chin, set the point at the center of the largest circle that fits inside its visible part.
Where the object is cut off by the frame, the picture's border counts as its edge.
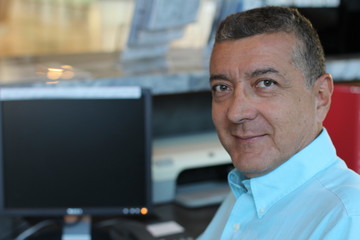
(254, 167)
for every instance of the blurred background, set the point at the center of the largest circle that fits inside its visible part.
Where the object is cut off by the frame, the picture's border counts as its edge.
(33, 27)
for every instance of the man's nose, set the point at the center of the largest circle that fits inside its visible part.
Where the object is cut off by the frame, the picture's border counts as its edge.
(241, 108)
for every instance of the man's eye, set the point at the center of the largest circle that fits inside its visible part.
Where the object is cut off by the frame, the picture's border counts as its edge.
(219, 88)
(265, 83)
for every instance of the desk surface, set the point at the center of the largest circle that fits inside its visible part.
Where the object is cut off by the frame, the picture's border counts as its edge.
(194, 220)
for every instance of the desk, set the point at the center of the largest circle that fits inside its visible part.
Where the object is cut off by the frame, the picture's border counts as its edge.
(193, 220)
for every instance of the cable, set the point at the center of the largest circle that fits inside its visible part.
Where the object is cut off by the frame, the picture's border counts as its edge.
(37, 227)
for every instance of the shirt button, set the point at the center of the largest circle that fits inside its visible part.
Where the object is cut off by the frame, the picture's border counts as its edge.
(261, 211)
(236, 227)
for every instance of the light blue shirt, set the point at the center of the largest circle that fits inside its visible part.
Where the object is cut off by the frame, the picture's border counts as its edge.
(311, 196)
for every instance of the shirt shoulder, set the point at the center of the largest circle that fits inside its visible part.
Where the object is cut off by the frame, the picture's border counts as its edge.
(344, 184)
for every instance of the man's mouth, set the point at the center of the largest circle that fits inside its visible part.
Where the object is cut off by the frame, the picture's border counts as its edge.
(249, 138)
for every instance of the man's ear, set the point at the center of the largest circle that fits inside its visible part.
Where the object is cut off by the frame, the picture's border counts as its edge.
(323, 89)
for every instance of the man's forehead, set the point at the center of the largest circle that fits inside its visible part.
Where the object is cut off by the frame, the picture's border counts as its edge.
(253, 58)
(276, 42)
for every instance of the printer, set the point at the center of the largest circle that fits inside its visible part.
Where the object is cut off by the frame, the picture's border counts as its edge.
(172, 156)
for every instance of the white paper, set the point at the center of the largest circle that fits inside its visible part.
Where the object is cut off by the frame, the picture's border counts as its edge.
(164, 228)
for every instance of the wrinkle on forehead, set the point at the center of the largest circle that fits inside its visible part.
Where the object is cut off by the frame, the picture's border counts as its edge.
(265, 46)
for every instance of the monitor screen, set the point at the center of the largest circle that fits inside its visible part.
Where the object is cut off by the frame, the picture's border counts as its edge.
(75, 151)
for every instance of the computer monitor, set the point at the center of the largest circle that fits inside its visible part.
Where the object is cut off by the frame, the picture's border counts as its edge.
(75, 151)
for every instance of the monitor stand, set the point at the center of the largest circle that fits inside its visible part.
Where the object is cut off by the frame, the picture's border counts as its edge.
(76, 228)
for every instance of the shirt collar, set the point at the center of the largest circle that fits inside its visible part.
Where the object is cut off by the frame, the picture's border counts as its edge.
(270, 188)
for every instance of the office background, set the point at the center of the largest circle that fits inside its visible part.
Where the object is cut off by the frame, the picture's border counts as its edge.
(79, 42)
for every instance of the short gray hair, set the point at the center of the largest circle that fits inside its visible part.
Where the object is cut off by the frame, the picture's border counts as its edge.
(308, 54)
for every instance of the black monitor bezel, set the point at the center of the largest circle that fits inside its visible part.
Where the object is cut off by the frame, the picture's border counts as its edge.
(146, 95)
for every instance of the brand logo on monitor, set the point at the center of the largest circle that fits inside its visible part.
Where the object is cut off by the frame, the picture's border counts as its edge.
(74, 211)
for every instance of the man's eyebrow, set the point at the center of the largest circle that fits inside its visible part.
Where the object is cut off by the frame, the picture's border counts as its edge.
(259, 72)
(253, 74)
(218, 77)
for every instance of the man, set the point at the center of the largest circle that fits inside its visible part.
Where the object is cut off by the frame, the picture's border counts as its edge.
(270, 96)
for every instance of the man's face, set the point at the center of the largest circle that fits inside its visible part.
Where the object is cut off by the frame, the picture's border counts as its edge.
(261, 108)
